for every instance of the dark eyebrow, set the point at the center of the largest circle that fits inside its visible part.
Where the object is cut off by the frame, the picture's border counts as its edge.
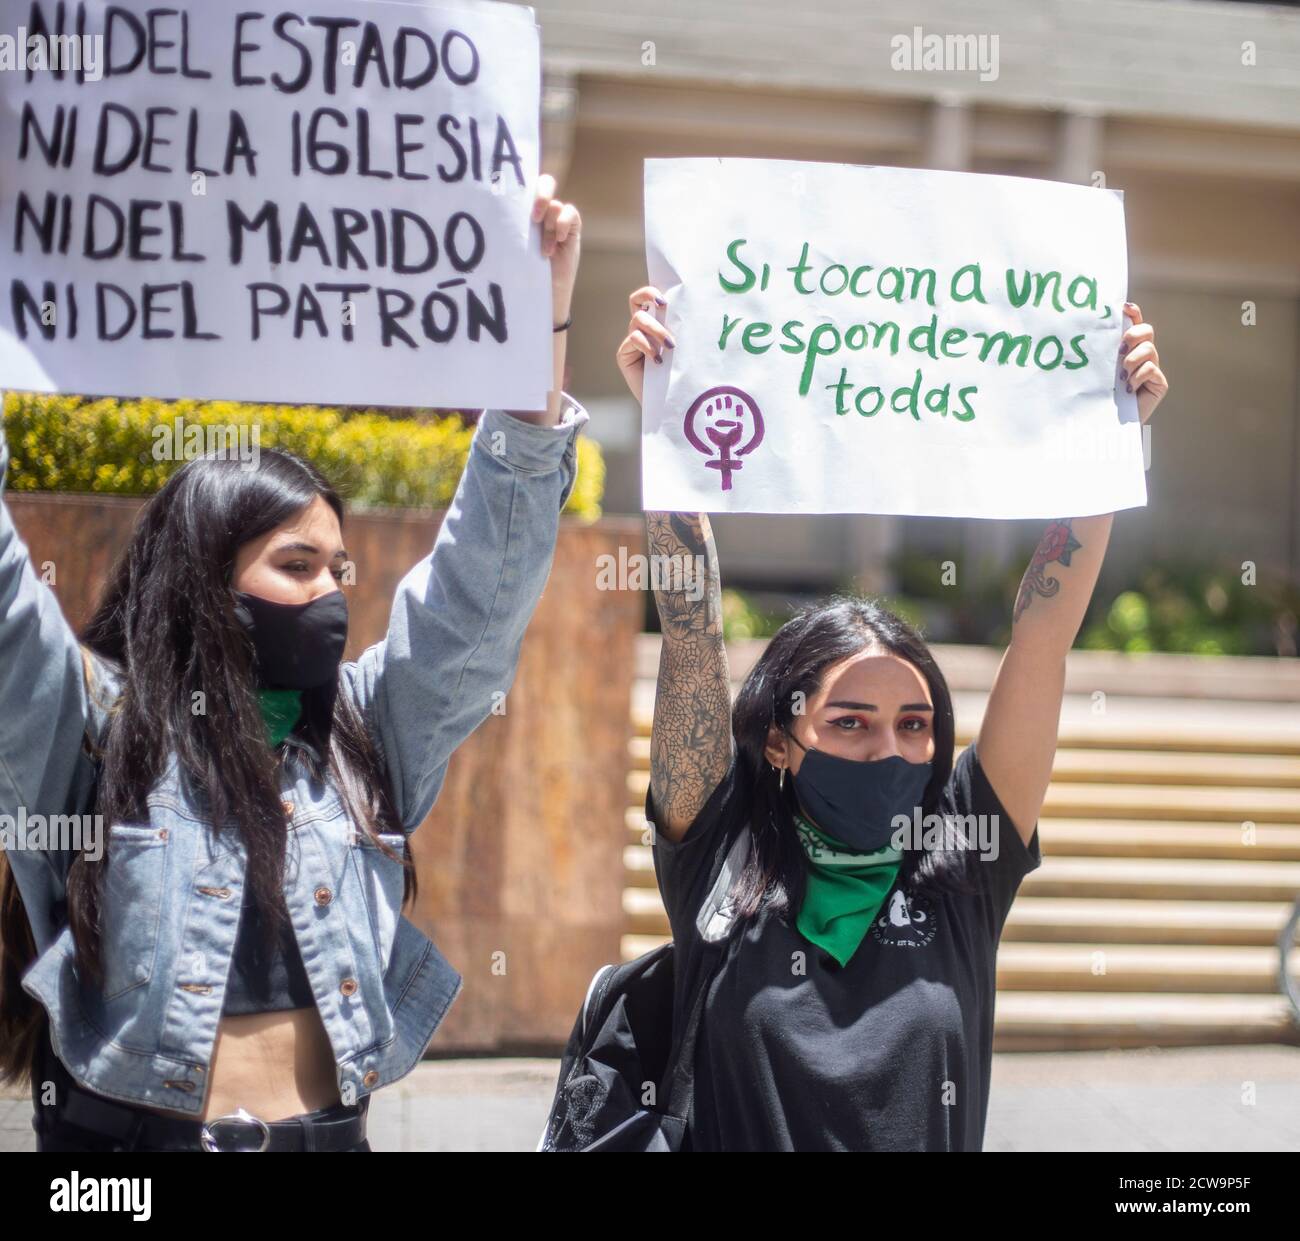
(871, 706)
(310, 548)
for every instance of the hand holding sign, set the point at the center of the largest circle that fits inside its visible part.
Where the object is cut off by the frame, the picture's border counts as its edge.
(1141, 364)
(561, 243)
(646, 338)
(561, 238)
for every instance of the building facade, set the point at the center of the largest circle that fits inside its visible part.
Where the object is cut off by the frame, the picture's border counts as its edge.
(1192, 109)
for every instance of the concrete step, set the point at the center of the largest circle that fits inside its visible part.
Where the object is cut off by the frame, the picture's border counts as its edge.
(1140, 967)
(1164, 879)
(1045, 919)
(1145, 801)
(1152, 767)
(1048, 1020)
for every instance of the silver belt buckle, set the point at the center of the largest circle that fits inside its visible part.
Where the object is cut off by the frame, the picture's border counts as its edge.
(208, 1140)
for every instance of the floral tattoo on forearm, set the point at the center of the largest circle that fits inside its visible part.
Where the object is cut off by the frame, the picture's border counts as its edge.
(1057, 544)
(692, 717)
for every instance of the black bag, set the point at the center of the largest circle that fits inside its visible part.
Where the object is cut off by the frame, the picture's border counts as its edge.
(624, 1040)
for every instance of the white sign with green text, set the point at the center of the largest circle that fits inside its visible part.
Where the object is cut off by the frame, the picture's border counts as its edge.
(886, 340)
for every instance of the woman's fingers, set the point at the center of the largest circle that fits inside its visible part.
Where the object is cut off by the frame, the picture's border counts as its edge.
(1141, 363)
(631, 357)
(1145, 352)
(652, 328)
(550, 225)
(1137, 334)
(646, 337)
(645, 298)
(545, 192)
(642, 342)
(566, 223)
(1148, 370)
(1138, 347)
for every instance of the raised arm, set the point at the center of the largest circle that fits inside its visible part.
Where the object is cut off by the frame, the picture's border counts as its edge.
(561, 228)
(1017, 739)
(690, 740)
(43, 710)
(459, 616)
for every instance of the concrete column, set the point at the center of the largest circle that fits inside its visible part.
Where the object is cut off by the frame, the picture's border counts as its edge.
(1079, 138)
(948, 140)
(559, 120)
(869, 542)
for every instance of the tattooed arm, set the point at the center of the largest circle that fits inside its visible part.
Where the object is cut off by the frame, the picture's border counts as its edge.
(690, 741)
(1017, 740)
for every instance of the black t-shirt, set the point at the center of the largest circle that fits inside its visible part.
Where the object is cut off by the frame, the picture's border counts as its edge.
(891, 1052)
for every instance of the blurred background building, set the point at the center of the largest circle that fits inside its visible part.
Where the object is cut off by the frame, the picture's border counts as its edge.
(1192, 109)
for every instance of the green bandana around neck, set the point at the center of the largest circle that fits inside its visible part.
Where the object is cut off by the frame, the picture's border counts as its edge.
(281, 710)
(844, 892)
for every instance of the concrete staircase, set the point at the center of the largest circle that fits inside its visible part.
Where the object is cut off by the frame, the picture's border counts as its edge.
(1171, 856)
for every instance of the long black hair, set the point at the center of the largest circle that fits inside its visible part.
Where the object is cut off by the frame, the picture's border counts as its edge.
(789, 673)
(166, 620)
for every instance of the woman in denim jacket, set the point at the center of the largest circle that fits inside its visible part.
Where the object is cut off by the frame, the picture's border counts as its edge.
(168, 985)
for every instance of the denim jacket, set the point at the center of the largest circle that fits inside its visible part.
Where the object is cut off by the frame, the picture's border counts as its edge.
(172, 892)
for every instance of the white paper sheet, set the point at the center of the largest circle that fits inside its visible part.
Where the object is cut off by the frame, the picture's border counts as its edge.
(726, 427)
(462, 164)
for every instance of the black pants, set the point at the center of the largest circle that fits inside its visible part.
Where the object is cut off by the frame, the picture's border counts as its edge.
(55, 1134)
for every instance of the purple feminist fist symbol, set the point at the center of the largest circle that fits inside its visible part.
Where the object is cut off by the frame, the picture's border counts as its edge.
(726, 417)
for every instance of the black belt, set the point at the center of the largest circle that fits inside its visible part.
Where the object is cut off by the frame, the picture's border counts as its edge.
(330, 1129)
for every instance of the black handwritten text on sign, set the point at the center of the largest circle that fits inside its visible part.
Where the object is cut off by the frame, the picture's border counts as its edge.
(328, 205)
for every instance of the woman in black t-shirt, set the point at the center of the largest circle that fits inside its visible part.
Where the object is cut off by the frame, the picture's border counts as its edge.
(856, 878)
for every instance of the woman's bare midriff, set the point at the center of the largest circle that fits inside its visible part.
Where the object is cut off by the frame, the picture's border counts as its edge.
(273, 1065)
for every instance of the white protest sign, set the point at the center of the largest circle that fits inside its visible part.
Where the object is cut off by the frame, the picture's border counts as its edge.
(326, 205)
(884, 340)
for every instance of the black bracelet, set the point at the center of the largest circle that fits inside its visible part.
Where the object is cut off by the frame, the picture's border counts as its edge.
(564, 327)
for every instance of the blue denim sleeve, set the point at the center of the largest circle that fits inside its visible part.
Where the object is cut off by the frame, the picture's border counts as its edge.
(459, 616)
(43, 714)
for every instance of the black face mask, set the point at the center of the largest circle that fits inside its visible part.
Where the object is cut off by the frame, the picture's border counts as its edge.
(855, 802)
(298, 645)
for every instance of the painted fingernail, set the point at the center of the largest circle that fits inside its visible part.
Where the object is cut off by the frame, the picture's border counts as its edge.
(662, 301)
(1123, 349)
(659, 357)
(672, 344)
(1129, 387)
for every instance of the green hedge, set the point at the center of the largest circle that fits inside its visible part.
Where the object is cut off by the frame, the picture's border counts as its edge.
(1198, 609)
(105, 445)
